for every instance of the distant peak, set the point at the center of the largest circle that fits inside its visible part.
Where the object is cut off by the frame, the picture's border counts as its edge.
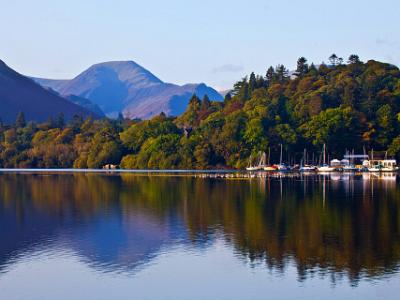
(118, 63)
(128, 71)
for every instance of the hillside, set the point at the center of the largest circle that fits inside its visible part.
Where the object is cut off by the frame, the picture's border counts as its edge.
(21, 94)
(345, 106)
(124, 86)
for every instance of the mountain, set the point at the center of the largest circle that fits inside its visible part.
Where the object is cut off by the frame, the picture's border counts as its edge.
(125, 86)
(19, 93)
(85, 103)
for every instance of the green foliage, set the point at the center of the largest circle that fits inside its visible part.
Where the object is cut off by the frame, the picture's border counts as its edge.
(344, 106)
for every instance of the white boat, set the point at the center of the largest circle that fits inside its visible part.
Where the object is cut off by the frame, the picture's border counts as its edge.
(281, 166)
(347, 166)
(350, 168)
(270, 168)
(258, 167)
(381, 165)
(306, 167)
(325, 167)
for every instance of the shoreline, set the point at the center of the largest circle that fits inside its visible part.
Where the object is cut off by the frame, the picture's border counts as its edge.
(212, 174)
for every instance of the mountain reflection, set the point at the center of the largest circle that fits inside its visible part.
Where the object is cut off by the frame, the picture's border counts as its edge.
(331, 224)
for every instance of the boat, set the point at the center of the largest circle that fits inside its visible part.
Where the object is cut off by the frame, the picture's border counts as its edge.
(261, 163)
(304, 167)
(385, 165)
(380, 165)
(250, 167)
(269, 167)
(347, 166)
(325, 167)
(308, 168)
(281, 167)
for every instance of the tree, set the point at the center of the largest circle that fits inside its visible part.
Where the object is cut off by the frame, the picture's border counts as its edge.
(228, 97)
(241, 89)
(120, 118)
(76, 122)
(333, 59)
(282, 73)
(252, 83)
(20, 120)
(205, 103)
(105, 147)
(60, 122)
(385, 121)
(302, 66)
(255, 135)
(333, 126)
(270, 75)
(354, 59)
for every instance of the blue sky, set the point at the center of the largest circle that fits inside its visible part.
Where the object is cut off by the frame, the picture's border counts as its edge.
(216, 42)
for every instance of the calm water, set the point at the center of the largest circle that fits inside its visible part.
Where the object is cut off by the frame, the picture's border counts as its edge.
(127, 236)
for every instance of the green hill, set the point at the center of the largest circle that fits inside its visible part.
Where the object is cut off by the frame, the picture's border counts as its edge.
(347, 106)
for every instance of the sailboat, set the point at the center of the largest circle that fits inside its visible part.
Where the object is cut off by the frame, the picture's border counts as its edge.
(348, 165)
(281, 166)
(259, 166)
(268, 167)
(304, 167)
(325, 167)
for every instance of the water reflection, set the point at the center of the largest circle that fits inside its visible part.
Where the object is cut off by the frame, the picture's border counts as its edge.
(336, 224)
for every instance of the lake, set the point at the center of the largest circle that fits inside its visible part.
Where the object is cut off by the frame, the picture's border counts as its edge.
(169, 236)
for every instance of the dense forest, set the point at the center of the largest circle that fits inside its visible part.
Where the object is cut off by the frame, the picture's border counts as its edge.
(352, 105)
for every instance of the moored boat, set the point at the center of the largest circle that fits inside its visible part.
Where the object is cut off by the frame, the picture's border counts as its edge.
(308, 168)
(383, 165)
(325, 167)
(282, 167)
(304, 166)
(258, 167)
(269, 167)
(380, 165)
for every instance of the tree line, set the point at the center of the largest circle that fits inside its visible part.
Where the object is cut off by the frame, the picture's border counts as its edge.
(352, 105)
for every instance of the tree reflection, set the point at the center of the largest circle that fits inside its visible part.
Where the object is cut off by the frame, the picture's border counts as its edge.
(325, 224)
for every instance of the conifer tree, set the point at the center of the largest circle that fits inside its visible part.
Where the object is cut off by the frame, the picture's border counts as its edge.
(354, 59)
(20, 120)
(60, 122)
(333, 60)
(269, 77)
(205, 103)
(281, 73)
(302, 66)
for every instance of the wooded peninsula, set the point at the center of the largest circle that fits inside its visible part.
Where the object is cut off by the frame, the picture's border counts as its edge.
(352, 105)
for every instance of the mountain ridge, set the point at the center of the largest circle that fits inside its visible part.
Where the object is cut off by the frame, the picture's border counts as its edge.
(125, 86)
(19, 93)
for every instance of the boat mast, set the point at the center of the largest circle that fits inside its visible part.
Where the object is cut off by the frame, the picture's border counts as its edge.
(280, 160)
